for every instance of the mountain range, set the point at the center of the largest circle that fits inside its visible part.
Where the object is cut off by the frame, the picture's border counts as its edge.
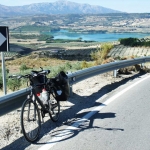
(58, 7)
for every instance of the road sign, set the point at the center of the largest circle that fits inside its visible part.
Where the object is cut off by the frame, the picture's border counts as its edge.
(4, 47)
(4, 39)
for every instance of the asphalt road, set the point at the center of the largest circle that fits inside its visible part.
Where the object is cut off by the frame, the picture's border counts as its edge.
(118, 120)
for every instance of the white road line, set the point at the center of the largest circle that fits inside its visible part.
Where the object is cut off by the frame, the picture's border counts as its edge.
(75, 126)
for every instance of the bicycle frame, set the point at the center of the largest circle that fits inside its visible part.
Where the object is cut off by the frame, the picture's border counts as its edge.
(35, 98)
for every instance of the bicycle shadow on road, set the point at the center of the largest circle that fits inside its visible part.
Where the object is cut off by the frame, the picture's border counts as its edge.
(70, 114)
(79, 125)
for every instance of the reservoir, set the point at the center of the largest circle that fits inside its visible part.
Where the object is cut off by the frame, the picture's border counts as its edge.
(99, 37)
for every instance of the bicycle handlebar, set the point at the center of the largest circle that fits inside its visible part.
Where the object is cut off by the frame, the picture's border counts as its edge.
(35, 73)
(18, 76)
(32, 74)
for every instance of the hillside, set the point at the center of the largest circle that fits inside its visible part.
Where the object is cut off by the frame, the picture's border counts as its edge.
(58, 7)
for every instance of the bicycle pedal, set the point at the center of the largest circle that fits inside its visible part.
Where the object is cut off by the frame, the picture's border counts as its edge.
(53, 102)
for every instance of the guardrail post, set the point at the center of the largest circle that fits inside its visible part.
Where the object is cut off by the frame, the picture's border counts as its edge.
(3, 73)
(70, 85)
(71, 92)
(142, 65)
(115, 73)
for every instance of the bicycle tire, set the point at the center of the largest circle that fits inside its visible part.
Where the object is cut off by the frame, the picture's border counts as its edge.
(54, 107)
(30, 120)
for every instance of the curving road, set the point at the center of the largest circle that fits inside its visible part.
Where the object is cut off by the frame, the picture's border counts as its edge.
(122, 123)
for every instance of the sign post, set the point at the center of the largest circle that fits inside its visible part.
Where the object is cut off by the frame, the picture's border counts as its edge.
(4, 47)
(3, 73)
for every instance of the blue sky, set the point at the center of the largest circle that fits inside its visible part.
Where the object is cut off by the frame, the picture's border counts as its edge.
(130, 6)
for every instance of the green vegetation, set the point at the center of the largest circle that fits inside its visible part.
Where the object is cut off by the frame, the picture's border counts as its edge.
(101, 54)
(16, 84)
(134, 42)
(23, 67)
(37, 27)
(63, 40)
(45, 37)
(40, 37)
(13, 84)
(85, 64)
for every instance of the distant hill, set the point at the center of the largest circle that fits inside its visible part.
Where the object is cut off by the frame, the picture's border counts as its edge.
(58, 7)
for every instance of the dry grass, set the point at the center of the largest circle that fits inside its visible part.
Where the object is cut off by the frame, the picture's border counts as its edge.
(101, 54)
(33, 62)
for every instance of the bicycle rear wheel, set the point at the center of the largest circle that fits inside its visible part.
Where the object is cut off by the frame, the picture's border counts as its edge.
(30, 120)
(54, 107)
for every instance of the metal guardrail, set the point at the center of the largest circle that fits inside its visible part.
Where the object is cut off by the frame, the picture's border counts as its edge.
(14, 100)
(89, 72)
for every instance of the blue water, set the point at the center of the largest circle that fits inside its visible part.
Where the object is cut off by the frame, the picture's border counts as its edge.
(100, 37)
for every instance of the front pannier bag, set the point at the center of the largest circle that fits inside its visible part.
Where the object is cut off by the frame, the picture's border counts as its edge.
(62, 85)
(37, 80)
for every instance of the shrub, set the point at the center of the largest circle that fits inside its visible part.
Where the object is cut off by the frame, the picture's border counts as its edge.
(23, 67)
(134, 42)
(130, 41)
(13, 84)
(101, 53)
(84, 64)
(77, 66)
(68, 66)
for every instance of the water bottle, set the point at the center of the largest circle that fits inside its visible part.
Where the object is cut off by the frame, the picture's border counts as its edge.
(39, 96)
(44, 95)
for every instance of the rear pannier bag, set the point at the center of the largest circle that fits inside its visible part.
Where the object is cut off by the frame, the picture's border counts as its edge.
(62, 84)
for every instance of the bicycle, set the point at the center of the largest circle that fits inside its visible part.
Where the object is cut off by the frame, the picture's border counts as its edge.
(33, 108)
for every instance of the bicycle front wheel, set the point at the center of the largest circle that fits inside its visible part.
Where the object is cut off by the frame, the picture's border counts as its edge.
(30, 120)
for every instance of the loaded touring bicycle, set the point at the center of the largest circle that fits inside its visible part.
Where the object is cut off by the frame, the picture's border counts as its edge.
(45, 96)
